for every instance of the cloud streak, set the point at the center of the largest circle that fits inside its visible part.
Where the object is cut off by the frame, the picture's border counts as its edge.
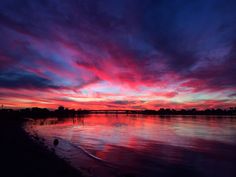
(118, 53)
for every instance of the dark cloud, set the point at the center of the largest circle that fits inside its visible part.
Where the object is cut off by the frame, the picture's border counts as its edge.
(121, 102)
(24, 80)
(47, 44)
(232, 95)
(217, 75)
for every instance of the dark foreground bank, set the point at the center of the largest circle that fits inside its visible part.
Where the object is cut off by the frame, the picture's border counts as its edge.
(21, 157)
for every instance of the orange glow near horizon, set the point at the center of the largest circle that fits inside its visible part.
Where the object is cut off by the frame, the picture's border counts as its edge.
(126, 58)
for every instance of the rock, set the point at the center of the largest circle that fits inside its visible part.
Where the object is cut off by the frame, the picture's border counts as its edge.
(55, 142)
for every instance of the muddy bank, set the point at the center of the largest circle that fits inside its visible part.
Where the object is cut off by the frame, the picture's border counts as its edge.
(20, 156)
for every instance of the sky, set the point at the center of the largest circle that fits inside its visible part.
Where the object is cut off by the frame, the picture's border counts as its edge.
(118, 54)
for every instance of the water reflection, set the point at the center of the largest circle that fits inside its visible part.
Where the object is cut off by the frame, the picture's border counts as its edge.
(144, 145)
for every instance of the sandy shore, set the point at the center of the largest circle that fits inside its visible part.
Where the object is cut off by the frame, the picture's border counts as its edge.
(20, 156)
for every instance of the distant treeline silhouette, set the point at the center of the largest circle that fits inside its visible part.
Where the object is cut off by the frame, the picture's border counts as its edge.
(36, 112)
(162, 111)
(61, 111)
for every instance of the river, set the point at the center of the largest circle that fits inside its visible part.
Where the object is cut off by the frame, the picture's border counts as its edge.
(106, 145)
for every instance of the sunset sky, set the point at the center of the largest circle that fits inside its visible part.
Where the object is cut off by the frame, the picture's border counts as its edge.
(118, 54)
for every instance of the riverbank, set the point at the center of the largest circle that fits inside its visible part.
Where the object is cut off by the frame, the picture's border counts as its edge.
(21, 157)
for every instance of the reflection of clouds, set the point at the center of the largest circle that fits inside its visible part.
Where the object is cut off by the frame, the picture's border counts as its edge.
(224, 133)
(119, 124)
(143, 143)
(97, 131)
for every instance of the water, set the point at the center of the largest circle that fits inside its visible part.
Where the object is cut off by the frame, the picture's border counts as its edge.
(143, 145)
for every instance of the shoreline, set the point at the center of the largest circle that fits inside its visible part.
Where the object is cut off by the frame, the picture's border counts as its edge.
(21, 156)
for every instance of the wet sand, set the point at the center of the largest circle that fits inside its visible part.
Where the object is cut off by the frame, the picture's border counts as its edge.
(21, 156)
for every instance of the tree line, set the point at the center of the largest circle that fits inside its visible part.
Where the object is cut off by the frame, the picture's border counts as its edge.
(61, 111)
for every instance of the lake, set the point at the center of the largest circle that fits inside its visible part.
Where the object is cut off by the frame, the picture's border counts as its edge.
(107, 145)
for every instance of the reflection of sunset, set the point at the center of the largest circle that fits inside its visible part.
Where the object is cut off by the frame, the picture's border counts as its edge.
(127, 140)
(135, 131)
